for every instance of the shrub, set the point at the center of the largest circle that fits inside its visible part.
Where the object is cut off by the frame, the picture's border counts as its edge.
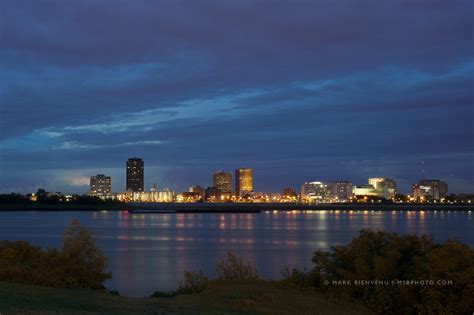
(299, 279)
(376, 255)
(194, 282)
(234, 268)
(80, 263)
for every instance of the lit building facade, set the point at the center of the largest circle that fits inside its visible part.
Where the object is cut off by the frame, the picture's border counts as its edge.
(165, 195)
(197, 190)
(289, 193)
(315, 192)
(135, 175)
(378, 187)
(385, 187)
(243, 181)
(364, 190)
(188, 196)
(101, 186)
(223, 182)
(340, 190)
(430, 189)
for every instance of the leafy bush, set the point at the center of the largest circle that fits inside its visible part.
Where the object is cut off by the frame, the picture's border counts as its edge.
(233, 268)
(194, 282)
(78, 264)
(377, 255)
(299, 279)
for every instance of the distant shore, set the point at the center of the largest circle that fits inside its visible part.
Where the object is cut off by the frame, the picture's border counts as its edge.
(233, 207)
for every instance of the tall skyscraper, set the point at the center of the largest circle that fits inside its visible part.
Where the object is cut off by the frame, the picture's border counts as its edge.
(135, 175)
(223, 182)
(100, 186)
(243, 181)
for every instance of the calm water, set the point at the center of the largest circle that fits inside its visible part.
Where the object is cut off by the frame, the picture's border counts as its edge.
(150, 252)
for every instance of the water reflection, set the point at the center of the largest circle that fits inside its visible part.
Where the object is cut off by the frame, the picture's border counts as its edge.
(150, 252)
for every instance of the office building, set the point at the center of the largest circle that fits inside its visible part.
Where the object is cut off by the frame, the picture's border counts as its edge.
(197, 190)
(243, 181)
(223, 182)
(188, 196)
(135, 175)
(385, 187)
(212, 194)
(315, 191)
(378, 187)
(430, 189)
(364, 190)
(340, 190)
(100, 186)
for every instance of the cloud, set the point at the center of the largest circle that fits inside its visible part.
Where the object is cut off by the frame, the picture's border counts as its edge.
(192, 87)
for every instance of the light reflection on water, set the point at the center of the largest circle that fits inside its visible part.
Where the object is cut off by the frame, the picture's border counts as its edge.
(149, 252)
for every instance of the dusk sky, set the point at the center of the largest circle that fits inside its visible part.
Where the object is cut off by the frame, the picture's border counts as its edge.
(297, 90)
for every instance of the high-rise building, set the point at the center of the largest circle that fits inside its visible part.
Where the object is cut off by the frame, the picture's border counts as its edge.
(340, 190)
(243, 181)
(384, 187)
(430, 189)
(135, 175)
(100, 186)
(223, 182)
(315, 191)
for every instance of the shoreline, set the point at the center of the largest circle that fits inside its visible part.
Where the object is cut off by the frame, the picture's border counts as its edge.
(161, 207)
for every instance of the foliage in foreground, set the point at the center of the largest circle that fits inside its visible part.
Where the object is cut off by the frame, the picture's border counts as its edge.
(78, 264)
(233, 268)
(230, 269)
(442, 275)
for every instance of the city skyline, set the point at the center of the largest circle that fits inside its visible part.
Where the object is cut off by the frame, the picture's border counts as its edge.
(314, 91)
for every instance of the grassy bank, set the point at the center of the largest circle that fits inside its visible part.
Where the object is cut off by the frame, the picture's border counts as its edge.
(218, 298)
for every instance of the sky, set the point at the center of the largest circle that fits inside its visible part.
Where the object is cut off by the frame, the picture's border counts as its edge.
(297, 90)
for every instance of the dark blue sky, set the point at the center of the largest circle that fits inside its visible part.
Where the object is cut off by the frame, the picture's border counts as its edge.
(298, 90)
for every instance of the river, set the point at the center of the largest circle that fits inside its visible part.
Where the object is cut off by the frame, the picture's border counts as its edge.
(149, 252)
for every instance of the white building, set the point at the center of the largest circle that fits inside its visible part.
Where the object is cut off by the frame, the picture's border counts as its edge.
(315, 192)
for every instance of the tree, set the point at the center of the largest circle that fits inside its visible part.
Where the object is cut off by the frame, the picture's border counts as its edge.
(418, 276)
(87, 264)
(233, 268)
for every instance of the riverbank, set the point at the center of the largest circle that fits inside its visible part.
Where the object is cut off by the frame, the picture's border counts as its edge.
(226, 298)
(233, 207)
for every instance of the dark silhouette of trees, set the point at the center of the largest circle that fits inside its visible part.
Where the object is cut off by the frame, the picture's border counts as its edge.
(416, 275)
(78, 264)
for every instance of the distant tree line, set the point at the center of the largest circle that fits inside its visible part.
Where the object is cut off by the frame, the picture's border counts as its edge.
(43, 197)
